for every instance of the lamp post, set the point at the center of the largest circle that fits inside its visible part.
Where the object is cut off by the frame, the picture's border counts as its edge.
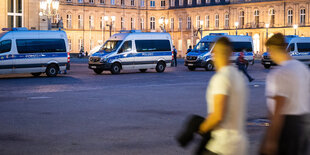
(236, 25)
(106, 18)
(295, 27)
(162, 24)
(200, 28)
(267, 26)
(49, 8)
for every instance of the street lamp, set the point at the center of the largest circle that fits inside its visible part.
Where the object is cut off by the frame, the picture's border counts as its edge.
(236, 25)
(295, 27)
(49, 8)
(162, 24)
(267, 26)
(106, 18)
(200, 28)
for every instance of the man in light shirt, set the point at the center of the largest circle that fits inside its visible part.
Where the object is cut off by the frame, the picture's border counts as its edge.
(288, 93)
(226, 98)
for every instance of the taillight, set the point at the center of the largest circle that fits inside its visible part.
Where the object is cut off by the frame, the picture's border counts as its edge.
(68, 57)
(172, 55)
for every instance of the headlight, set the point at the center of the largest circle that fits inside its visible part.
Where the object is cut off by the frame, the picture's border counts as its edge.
(103, 59)
(200, 57)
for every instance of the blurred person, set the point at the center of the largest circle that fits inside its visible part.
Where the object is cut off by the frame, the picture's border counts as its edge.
(226, 98)
(189, 49)
(287, 91)
(175, 52)
(223, 129)
(242, 65)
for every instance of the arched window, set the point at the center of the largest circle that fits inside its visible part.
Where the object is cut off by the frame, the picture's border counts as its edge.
(271, 14)
(152, 23)
(226, 20)
(91, 22)
(142, 24)
(290, 17)
(241, 19)
(217, 22)
(132, 23)
(302, 16)
(207, 21)
(69, 21)
(256, 18)
(189, 22)
(80, 21)
(122, 23)
(197, 21)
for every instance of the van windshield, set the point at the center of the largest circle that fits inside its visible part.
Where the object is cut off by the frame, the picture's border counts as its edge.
(202, 47)
(111, 45)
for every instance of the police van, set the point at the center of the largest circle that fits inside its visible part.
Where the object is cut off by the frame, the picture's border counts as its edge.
(298, 48)
(33, 51)
(200, 56)
(133, 50)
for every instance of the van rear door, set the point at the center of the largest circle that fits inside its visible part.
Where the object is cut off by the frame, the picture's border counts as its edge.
(6, 57)
(303, 52)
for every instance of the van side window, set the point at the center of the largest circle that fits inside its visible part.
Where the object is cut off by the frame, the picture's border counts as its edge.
(153, 45)
(292, 47)
(5, 46)
(242, 46)
(127, 46)
(303, 47)
(40, 45)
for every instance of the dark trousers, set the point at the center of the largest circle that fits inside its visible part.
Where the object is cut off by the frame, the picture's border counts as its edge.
(175, 59)
(191, 128)
(244, 70)
(295, 136)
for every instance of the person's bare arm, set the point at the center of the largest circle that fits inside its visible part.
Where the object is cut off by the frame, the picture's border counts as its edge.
(270, 145)
(217, 116)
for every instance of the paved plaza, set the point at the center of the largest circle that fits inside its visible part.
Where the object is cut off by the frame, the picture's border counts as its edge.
(127, 114)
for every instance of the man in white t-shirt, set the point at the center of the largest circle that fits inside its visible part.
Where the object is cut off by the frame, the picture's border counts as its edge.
(226, 98)
(288, 99)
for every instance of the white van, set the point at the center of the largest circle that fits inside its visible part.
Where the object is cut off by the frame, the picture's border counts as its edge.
(133, 50)
(33, 51)
(298, 47)
(200, 56)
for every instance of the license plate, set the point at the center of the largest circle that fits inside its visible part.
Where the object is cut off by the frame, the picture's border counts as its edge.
(190, 64)
(93, 67)
(268, 63)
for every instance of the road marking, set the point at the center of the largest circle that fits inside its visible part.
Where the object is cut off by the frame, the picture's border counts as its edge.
(38, 97)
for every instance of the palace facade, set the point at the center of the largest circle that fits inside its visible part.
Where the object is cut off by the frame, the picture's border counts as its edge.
(85, 21)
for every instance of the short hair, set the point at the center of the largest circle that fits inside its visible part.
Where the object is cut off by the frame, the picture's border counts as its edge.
(226, 42)
(277, 40)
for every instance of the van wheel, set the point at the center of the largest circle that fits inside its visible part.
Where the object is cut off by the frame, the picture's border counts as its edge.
(51, 70)
(267, 66)
(142, 70)
(116, 68)
(98, 71)
(191, 68)
(160, 67)
(209, 66)
(36, 74)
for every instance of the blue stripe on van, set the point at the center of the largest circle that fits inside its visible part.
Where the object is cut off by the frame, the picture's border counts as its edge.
(32, 56)
(141, 54)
